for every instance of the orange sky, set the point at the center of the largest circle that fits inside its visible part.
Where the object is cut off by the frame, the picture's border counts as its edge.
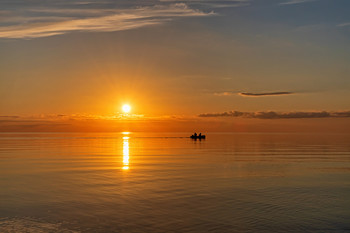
(178, 59)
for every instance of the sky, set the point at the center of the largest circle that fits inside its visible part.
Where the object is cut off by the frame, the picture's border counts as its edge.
(235, 65)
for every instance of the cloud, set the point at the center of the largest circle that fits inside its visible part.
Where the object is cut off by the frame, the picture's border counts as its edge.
(266, 93)
(9, 117)
(250, 94)
(63, 117)
(214, 3)
(292, 2)
(89, 20)
(279, 115)
(344, 24)
(225, 93)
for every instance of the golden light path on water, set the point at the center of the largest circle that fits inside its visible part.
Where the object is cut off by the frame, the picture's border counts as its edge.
(125, 152)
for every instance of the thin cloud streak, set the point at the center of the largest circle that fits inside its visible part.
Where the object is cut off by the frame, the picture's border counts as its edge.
(266, 93)
(292, 2)
(344, 24)
(279, 115)
(120, 20)
(225, 93)
(78, 117)
(213, 3)
(251, 94)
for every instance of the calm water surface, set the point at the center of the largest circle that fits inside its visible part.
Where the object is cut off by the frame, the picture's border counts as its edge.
(142, 182)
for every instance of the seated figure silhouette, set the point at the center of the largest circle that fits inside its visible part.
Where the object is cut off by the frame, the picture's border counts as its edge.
(197, 136)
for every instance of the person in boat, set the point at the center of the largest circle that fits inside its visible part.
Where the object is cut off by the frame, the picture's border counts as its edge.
(195, 134)
(200, 135)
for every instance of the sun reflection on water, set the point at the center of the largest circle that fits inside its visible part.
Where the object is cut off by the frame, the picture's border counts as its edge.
(125, 153)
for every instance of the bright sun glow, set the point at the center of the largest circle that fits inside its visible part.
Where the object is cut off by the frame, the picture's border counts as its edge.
(126, 108)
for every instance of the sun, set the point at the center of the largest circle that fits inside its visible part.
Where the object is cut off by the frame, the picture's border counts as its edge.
(126, 108)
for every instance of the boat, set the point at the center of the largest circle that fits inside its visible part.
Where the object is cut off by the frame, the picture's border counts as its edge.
(197, 136)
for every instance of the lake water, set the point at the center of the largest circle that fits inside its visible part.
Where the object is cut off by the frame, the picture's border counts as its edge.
(143, 182)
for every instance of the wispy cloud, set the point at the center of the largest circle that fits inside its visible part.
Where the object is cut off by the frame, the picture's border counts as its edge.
(225, 93)
(344, 24)
(279, 115)
(252, 94)
(292, 2)
(102, 20)
(64, 117)
(213, 3)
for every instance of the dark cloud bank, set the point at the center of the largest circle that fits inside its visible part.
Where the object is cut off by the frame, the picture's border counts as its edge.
(266, 93)
(252, 94)
(279, 115)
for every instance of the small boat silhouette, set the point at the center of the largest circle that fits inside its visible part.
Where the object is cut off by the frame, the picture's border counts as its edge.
(197, 136)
